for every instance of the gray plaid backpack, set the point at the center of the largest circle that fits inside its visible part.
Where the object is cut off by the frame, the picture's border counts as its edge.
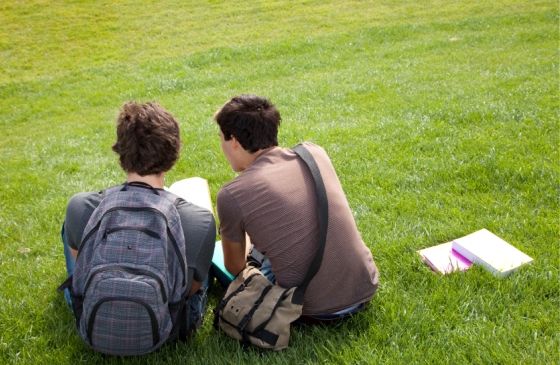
(129, 284)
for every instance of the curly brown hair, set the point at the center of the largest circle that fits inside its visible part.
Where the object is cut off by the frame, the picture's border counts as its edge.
(148, 139)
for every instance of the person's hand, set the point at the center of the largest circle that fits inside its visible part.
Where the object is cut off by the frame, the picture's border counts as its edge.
(255, 258)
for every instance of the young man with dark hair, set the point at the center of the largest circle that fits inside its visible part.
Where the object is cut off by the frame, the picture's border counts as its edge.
(272, 201)
(148, 145)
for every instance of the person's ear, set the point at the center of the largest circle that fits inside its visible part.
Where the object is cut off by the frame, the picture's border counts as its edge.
(234, 142)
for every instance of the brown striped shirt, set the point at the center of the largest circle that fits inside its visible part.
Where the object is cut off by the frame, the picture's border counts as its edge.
(274, 202)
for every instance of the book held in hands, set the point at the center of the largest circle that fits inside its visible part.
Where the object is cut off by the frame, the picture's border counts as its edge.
(194, 190)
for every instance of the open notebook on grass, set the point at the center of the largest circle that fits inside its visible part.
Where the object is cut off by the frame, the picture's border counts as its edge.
(481, 248)
(493, 253)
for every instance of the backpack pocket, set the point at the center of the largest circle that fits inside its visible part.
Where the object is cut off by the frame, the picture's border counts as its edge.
(125, 311)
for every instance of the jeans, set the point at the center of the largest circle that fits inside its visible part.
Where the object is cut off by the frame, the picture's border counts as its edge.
(197, 307)
(70, 263)
(266, 270)
(196, 303)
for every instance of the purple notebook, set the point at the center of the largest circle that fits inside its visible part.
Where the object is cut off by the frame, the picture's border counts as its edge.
(443, 259)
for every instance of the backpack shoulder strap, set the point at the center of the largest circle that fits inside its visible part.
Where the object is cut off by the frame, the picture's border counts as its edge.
(323, 215)
(119, 196)
(175, 199)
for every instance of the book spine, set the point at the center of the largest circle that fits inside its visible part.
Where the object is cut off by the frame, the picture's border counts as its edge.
(477, 260)
(465, 253)
(460, 257)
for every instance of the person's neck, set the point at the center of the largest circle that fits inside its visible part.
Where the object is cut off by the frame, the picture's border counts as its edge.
(154, 180)
(251, 157)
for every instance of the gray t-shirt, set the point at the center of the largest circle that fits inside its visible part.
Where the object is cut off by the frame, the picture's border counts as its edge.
(198, 225)
(274, 202)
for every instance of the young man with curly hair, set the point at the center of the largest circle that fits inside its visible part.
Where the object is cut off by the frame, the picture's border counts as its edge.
(148, 144)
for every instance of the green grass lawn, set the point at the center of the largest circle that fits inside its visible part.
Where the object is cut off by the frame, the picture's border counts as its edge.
(440, 117)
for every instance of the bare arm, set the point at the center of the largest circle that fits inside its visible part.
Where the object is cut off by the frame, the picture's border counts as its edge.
(231, 225)
(234, 255)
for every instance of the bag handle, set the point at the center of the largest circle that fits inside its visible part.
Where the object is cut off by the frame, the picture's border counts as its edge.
(323, 215)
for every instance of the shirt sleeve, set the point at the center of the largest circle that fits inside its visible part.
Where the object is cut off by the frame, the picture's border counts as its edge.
(231, 220)
(79, 210)
(199, 228)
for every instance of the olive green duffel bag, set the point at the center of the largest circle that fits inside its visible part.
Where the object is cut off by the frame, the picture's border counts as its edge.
(255, 311)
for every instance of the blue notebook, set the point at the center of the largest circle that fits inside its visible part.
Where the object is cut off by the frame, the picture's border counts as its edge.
(218, 268)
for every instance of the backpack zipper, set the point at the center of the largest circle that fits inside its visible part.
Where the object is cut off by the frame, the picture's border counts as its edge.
(131, 209)
(134, 271)
(147, 231)
(137, 209)
(153, 319)
(178, 253)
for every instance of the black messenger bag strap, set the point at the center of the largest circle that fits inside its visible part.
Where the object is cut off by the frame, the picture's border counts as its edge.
(323, 215)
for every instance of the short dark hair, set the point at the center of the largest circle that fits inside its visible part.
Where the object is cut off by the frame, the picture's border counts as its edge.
(148, 139)
(252, 120)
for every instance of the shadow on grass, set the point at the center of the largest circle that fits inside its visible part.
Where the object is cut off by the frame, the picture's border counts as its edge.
(308, 344)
